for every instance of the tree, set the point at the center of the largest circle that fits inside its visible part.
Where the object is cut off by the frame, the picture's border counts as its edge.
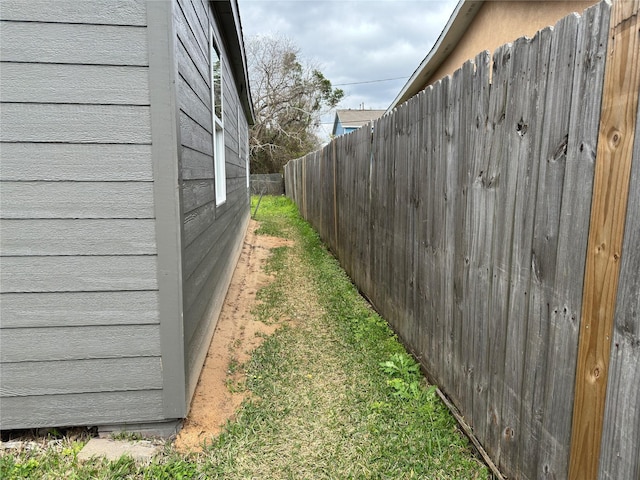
(289, 98)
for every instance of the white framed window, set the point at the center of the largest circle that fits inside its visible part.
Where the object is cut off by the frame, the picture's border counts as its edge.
(217, 114)
(244, 146)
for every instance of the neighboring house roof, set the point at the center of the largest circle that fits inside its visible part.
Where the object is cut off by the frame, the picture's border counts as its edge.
(478, 25)
(455, 28)
(355, 118)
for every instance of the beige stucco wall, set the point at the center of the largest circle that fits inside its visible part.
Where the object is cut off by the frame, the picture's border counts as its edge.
(500, 22)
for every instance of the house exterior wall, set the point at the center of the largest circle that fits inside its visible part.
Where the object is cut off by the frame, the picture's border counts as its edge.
(115, 257)
(79, 328)
(500, 22)
(212, 235)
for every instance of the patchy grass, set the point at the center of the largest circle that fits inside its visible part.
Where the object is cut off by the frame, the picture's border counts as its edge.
(334, 394)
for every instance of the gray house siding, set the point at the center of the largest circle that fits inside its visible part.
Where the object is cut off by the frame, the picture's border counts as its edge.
(79, 325)
(115, 257)
(212, 236)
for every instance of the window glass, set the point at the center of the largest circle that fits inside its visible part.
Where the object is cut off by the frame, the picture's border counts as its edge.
(216, 82)
(217, 115)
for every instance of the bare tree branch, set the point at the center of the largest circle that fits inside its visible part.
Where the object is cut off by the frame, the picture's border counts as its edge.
(289, 96)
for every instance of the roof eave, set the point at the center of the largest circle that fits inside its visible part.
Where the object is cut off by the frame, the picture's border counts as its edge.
(229, 17)
(456, 27)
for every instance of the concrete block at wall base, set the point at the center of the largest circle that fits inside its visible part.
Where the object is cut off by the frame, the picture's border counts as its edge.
(141, 451)
(168, 429)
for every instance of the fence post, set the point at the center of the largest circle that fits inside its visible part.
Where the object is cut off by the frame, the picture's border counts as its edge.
(606, 231)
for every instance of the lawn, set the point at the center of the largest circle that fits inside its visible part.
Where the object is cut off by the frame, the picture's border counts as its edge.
(332, 394)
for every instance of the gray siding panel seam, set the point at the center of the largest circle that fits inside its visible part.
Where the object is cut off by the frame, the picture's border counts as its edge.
(79, 291)
(74, 64)
(41, 22)
(96, 104)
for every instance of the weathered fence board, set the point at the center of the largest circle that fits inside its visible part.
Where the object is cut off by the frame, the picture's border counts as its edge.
(463, 215)
(480, 204)
(497, 179)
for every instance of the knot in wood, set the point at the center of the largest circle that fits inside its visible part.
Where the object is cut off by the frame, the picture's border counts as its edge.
(615, 137)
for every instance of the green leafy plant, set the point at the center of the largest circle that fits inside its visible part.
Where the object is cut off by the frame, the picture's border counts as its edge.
(405, 376)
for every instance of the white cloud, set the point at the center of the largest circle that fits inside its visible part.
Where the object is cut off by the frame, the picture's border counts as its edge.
(355, 40)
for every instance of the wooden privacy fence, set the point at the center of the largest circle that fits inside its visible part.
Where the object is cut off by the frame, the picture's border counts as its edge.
(487, 219)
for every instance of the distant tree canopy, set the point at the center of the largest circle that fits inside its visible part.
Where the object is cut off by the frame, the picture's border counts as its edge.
(289, 98)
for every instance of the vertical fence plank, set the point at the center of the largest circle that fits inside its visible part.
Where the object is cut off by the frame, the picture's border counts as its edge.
(398, 223)
(608, 209)
(530, 371)
(557, 294)
(496, 176)
(410, 207)
(453, 148)
(437, 218)
(424, 297)
(468, 134)
(621, 436)
(522, 125)
(413, 295)
(480, 207)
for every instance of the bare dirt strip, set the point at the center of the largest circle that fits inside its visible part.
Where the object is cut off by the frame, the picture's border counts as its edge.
(237, 334)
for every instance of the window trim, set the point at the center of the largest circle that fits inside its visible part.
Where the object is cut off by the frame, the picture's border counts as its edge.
(244, 148)
(218, 133)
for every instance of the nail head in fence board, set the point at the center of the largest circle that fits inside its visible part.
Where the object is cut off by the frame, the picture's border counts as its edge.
(608, 210)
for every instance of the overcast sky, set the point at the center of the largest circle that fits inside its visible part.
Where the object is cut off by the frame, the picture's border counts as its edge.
(355, 40)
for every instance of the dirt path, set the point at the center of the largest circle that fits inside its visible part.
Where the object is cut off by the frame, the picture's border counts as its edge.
(217, 396)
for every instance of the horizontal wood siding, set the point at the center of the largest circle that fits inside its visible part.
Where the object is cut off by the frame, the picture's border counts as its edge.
(212, 234)
(79, 376)
(78, 343)
(77, 200)
(24, 122)
(77, 84)
(66, 309)
(95, 408)
(77, 44)
(79, 301)
(115, 12)
(75, 162)
(78, 273)
(77, 237)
